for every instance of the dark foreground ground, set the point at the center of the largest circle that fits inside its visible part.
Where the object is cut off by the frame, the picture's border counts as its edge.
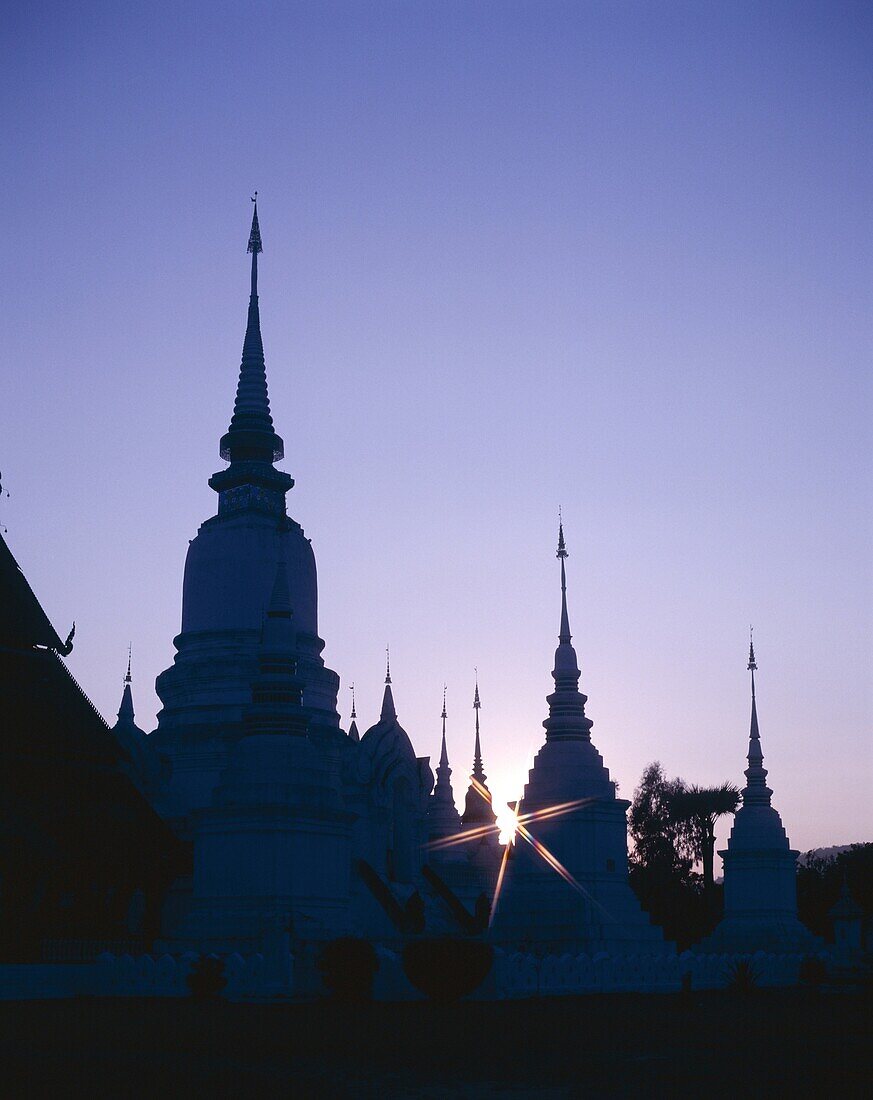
(771, 1044)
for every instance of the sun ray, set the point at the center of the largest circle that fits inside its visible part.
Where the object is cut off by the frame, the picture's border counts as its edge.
(554, 811)
(461, 838)
(556, 865)
(498, 885)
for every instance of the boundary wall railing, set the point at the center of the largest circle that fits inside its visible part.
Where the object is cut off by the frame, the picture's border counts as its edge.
(517, 974)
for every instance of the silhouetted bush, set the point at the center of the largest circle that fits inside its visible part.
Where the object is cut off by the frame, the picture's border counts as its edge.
(447, 969)
(206, 978)
(820, 879)
(348, 966)
(742, 978)
(813, 972)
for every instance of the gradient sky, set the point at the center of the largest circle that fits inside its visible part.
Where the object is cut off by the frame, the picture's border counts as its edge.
(613, 256)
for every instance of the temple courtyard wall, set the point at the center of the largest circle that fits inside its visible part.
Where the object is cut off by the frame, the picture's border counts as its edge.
(277, 975)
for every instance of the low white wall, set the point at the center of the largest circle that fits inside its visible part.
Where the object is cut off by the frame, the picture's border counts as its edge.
(525, 975)
(257, 977)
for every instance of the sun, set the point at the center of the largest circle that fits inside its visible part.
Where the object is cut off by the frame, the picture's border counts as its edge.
(507, 823)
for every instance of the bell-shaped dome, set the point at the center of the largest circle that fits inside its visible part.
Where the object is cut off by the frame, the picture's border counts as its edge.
(387, 743)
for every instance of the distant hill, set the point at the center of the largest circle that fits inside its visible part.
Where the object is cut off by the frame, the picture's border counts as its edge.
(826, 853)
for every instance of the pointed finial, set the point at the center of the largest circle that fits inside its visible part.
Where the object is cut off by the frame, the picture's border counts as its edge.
(125, 711)
(478, 771)
(387, 665)
(255, 245)
(562, 548)
(756, 789)
(753, 668)
(352, 689)
(564, 635)
(444, 755)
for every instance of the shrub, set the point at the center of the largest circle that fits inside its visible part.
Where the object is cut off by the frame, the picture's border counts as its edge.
(742, 977)
(206, 979)
(447, 969)
(348, 966)
(813, 972)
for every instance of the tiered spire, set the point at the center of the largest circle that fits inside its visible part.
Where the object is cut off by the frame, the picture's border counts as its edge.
(388, 709)
(443, 818)
(353, 725)
(251, 434)
(478, 771)
(125, 711)
(564, 635)
(444, 768)
(757, 792)
(477, 804)
(251, 444)
(566, 719)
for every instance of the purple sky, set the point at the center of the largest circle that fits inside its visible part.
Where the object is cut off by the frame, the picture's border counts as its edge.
(612, 256)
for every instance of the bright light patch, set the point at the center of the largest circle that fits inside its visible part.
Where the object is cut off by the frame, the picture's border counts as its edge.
(507, 823)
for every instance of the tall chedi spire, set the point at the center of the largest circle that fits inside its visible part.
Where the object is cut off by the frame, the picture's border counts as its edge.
(353, 725)
(230, 572)
(756, 791)
(442, 816)
(477, 803)
(388, 709)
(572, 820)
(125, 711)
(566, 719)
(478, 772)
(251, 444)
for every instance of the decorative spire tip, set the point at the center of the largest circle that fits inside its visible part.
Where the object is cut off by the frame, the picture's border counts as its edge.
(562, 546)
(127, 678)
(752, 667)
(387, 665)
(255, 245)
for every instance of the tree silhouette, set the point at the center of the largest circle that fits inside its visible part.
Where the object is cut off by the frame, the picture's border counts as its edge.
(696, 810)
(660, 840)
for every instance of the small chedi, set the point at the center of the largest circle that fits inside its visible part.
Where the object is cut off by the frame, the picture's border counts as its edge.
(760, 875)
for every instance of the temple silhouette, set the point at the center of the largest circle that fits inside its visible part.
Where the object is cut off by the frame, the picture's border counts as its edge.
(250, 814)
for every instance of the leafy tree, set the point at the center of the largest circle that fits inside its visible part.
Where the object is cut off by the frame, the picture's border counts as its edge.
(661, 860)
(660, 843)
(696, 810)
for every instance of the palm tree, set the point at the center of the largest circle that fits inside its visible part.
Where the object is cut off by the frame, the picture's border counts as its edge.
(697, 809)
